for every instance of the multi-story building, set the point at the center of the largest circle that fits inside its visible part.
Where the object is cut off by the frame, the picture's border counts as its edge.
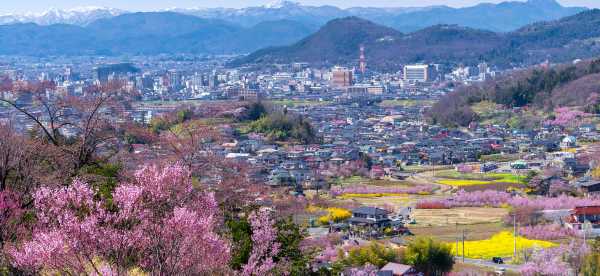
(419, 73)
(341, 77)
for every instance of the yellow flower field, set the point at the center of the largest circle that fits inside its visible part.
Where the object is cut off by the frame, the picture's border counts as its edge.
(463, 182)
(499, 245)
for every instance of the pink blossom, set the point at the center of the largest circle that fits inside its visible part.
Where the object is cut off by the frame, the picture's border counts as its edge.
(546, 232)
(264, 245)
(161, 222)
(556, 261)
(567, 117)
(361, 189)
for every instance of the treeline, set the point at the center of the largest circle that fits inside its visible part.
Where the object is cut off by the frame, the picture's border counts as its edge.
(541, 88)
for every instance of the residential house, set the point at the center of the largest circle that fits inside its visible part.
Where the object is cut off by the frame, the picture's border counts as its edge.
(369, 216)
(396, 269)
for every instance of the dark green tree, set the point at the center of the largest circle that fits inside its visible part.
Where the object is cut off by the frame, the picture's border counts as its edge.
(240, 232)
(429, 256)
(289, 236)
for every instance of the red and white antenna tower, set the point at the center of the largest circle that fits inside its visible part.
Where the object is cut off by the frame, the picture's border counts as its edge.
(363, 60)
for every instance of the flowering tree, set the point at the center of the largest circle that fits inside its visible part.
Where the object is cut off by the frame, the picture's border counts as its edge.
(367, 270)
(364, 189)
(264, 245)
(546, 232)
(91, 116)
(158, 223)
(557, 261)
(567, 117)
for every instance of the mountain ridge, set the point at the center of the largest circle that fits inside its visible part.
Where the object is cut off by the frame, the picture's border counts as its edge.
(502, 17)
(447, 44)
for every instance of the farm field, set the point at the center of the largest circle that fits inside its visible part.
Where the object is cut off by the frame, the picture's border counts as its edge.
(461, 216)
(496, 177)
(449, 233)
(499, 245)
(397, 201)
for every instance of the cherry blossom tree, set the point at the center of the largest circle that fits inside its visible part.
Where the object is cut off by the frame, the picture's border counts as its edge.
(91, 117)
(158, 222)
(264, 245)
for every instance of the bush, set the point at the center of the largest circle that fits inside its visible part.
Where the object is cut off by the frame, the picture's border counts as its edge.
(375, 254)
(432, 204)
(335, 215)
(429, 256)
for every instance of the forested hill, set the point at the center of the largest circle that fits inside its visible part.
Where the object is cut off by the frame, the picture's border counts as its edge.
(561, 40)
(573, 86)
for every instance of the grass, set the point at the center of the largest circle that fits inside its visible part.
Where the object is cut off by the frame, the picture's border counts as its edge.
(499, 245)
(484, 178)
(462, 182)
(500, 157)
(406, 103)
(395, 200)
(353, 180)
(359, 180)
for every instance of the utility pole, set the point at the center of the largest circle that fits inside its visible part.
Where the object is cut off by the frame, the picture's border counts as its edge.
(515, 236)
(463, 245)
(457, 239)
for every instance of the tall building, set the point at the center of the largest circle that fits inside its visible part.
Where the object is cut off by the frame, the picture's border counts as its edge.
(341, 76)
(419, 73)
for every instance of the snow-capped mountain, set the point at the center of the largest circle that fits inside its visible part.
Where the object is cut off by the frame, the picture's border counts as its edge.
(76, 16)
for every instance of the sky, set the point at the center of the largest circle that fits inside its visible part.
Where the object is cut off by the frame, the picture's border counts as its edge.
(24, 6)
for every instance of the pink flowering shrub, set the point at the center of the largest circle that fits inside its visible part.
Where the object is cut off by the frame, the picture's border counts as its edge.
(264, 245)
(361, 189)
(567, 117)
(329, 254)
(552, 203)
(556, 261)
(160, 224)
(10, 209)
(493, 198)
(489, 198)
(367, 270)
(546, 232)
(479, 198)
(433, 204)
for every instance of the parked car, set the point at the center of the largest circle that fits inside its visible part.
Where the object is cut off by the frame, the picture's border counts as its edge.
(497, 260)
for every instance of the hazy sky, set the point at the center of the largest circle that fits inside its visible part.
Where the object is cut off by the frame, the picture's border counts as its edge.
(22, 6)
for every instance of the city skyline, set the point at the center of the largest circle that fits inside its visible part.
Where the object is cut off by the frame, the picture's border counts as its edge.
(30, 6)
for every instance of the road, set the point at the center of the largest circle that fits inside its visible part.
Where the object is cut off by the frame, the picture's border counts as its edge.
(490, 264)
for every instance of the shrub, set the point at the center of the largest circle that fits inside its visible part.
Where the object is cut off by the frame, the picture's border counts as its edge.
(429, 256)
(374, 253)
(373, 190)
(336, 215)
(546, 232)
(432, 204)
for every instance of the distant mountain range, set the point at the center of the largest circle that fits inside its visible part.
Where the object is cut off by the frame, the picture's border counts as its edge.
(337, 42)
(506, 16)
(147, 33)
(78, 16)
(103, 31)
